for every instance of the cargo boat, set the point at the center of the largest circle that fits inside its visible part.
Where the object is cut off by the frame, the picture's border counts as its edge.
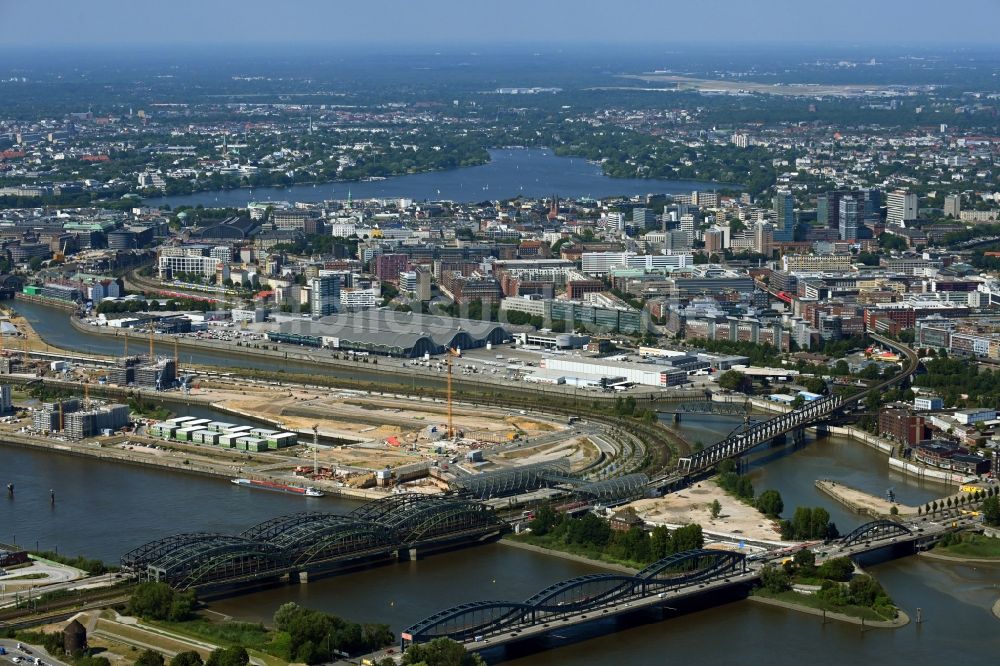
(309, 491)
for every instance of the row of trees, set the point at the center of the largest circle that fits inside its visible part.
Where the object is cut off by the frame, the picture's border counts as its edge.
(593, 533)
(807, 524)
(231, 656)
(171, 305)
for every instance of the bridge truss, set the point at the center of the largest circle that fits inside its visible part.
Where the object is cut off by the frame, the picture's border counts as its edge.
(584, 594)
(310, 541)
(876, 530)
(740, 442)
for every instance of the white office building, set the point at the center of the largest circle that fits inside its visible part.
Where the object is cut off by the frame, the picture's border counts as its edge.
(901, 207)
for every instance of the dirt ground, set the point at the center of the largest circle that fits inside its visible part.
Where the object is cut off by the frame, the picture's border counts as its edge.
(693, 505)
(580, 452)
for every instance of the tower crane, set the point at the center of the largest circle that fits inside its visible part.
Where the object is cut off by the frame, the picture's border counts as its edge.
(452, 351)
(315, 430)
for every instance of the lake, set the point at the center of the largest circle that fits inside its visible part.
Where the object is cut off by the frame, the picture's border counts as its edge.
(528, 172)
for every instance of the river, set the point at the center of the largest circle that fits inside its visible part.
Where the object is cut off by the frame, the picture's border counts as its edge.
(528, 172)
(104, 509)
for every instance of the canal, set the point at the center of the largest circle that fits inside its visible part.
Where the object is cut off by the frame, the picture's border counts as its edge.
(102, 510)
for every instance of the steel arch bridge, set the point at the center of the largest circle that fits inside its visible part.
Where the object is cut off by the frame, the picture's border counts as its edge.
(414, 518)
(191, 560)
(311, 541)
(313, 537)
(584, 594)
(876, 530)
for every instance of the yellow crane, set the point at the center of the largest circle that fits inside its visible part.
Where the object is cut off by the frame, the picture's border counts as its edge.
(451, 423)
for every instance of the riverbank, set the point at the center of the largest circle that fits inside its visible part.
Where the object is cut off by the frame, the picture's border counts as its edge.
(139, 451)
(621, 568)
(901, 620)
(964, 547)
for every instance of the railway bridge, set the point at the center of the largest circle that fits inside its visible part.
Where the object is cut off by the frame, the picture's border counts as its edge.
(300, 545)
(795, 421)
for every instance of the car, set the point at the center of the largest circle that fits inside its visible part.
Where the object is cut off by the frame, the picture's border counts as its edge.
(16, 660)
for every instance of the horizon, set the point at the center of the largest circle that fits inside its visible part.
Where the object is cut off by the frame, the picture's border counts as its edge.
(442, 24)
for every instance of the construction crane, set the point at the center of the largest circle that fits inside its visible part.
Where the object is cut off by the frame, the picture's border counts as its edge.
(315, 450)
(451, 423)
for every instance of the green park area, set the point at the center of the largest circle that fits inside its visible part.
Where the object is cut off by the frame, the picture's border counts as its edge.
(833, 585)
(974, 546)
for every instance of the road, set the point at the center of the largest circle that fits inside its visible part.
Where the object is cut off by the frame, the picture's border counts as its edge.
(26, 655)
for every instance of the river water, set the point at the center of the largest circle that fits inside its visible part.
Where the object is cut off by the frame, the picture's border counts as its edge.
(531, 172)
(104, 509)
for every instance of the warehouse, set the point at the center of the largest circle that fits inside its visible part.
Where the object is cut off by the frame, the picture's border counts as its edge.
(637, 373)
(390, 333)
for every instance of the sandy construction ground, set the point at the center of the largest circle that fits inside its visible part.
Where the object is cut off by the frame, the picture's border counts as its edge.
(580, 452)
(693, 505)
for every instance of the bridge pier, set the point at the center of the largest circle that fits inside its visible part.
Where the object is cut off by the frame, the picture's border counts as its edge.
(303, 577)
(799, 435)
(677, 417)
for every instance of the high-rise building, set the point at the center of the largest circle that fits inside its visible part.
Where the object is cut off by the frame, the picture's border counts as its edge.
(953, 206)
(850, 218)
(324, 298)
(872, 199)
(643, 218)
(389, 266)
(784, 215)
(715, 240)
(764, 238)
(901, 208)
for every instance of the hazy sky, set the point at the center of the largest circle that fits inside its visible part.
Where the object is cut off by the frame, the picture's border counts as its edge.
(443, 22)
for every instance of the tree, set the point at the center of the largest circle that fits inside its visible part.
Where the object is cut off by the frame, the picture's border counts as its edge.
(441, 652)
(716, 509)
(814, 384)
(545, 519)
(151, 600)
(149, 658)
(774, 580)
(991, 511)
(190, 658)
(805, 559)
(685, 538)
(731, 380)
(839, 568)
(233, 656)
(770, 503)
